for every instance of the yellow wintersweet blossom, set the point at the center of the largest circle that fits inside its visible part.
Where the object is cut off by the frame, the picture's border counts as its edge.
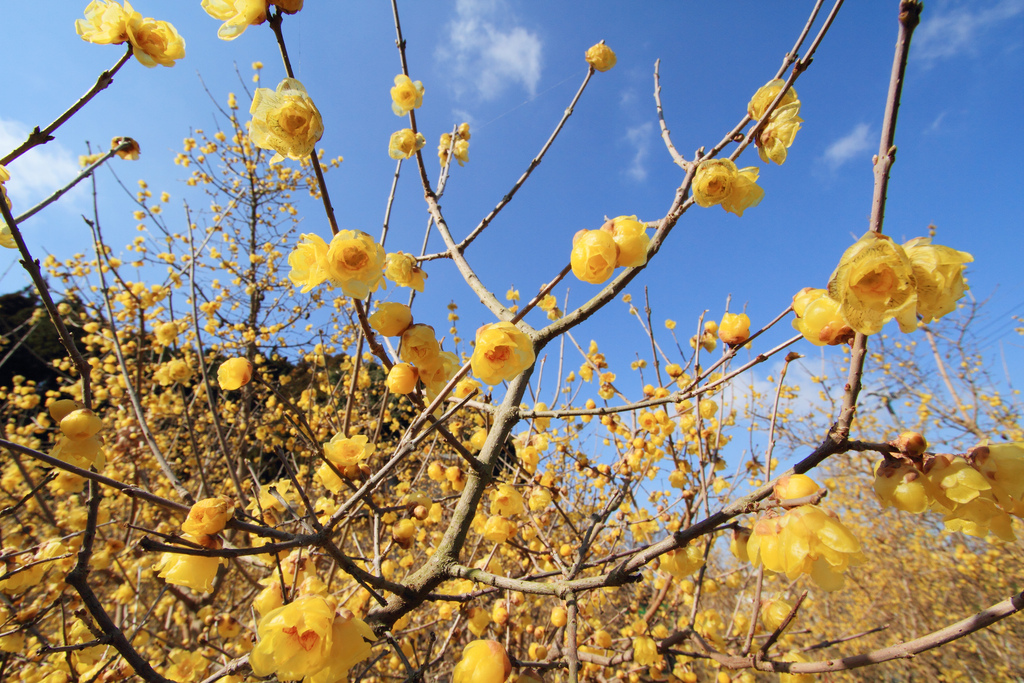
(465, 387)
(404, 143)
(130, 146)
(285, 121)
(237, 15)
(195, 571)
(351, 642)
(356, 262)
(419, 346)
(682, 562)
(601, 57)
(645, 651)
(502, 352)
(718, 181)
(483, 661)
(391, 319)
(105, 23)
(166, 333)
(208, 516)
(234, 373)
(806, 540)
(153, 42)
(308, 262)
(631, 239)
(506, 500)
(295, 639)
(764, 96)
(406, 95)
(939, 274)
(873, 283)
(347, 451)
(401, 378)
(818, 318)
(594, 254)
(779, 133)
(435, 374)
(734, 329)
(498, 529)
(404, 271)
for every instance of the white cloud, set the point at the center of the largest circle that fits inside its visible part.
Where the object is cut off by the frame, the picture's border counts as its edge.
(38, 172)
(639, 138)
(487, 52)
(959, 30)
(852, 144)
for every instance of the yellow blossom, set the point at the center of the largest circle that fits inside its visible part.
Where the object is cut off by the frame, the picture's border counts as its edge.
(285, 121)
(645, 651)
(105, 23)
(346, 451)
(401, 378)
(779, 133)
(682, 562)
(483, 661)
(406, 95)
(419, 346)
(502, 352)
(131, 148)
(295, 639)
(818, 318)
(404, 143)
(166, 333)
(308, 262)
(153, 42)
(465, 387)
(195, 571)
(499, 529)
(80, 424)
(600, 57)
(506, 501)
(351, 642)
(234, 373)
(764, 96)
(873, 283)
(391, 319)
(631, 239)
(718, 181)
(435, 374)
(356, 262)
(735, 328)
(404, 271)
(939, 274)
(237, 15)
(208, 516)
(594, 254)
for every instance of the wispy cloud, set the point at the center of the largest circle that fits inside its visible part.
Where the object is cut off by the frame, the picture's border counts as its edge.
(639, 139)
(38, 172)
(488, 52)
(961, 29)
(852, 144)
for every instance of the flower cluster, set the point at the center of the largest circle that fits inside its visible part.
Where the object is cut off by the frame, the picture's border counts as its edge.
(806, 539)
(878, 280)
(976, 493)
(719, 181)
(460, 149)
(353, 261)
(620, 242)
(285, 121)
(153, 42)
(779, 131)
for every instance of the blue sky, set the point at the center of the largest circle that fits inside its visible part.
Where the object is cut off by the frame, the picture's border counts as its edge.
(510, 67)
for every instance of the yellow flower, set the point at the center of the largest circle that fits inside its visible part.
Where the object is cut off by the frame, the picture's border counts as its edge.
(356, 262)
(105, 23)
(631, 238)
(208, 516)
(682, 562)
(779, 134)
(818, 318)
(1003, 467)
(873, 283)
(295, 639)
(406, 95)
(403, 270)
(195, 571)
(345, 452)
(806, 540)
(718, 181)
(285, 121)
(153, 42)
(465, 387)
(600, 57)
(419, 346)
(308, 262)
(764, 96)
(404, 143)
(436, 374)
(401, 378)
(735, 328)
(176, 370)
(166, 333)
(939, 273)
(498, 529)
(237, 15)
(502, 351)
(483, 661)
(391, 319)
(351, 642)
(234, 373)
(461, 151)
(80, 424)
(901, 486)
(645, 651)
(506, 501)
(131, 152)
(594, 255)
(442, 147)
